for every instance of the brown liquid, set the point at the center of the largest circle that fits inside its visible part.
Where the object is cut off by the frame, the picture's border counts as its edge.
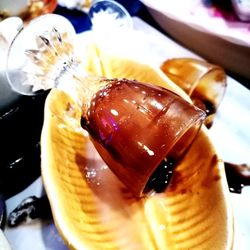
(207, 106)
(135, 126)
(238, 176)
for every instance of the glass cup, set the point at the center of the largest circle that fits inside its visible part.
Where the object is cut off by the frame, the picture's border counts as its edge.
(204, 82)
(141, 131)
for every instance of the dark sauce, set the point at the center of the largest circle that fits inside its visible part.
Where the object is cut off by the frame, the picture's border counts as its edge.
(20, 131)
(238, 176)
(160, 179)
(84, 123)
(206, 106)
(29, 209)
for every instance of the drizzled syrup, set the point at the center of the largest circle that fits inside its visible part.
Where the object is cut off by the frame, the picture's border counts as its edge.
(161, 177)
(238, 176)
(207, 106)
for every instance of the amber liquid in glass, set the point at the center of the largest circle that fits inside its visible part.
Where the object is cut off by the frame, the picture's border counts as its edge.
(135, 126)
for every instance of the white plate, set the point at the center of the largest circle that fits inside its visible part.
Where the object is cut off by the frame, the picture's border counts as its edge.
(205, 31)
(230, 134)
(205, 17)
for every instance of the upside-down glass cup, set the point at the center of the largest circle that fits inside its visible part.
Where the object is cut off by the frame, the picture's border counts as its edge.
(140, 130)
(204, 82)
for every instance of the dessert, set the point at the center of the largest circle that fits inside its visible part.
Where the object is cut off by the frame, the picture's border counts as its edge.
(193, 211)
